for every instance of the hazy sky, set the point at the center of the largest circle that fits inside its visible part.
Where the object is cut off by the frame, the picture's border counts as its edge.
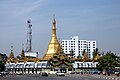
(89, 19)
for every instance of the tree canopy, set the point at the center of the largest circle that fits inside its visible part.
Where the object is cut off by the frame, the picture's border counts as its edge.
(2, 66)
(107, 62)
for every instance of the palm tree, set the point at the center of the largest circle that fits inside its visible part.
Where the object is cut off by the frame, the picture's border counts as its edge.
(95, 52)
(85, 55)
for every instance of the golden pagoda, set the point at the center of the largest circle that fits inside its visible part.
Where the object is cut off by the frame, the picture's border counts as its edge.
(54, 46)
(22, 58)
(11, 58)
(22, 54)
(11, 54)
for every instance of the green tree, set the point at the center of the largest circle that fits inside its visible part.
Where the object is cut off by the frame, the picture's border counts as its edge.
(95, 52)
(107, 62)
(2, 66)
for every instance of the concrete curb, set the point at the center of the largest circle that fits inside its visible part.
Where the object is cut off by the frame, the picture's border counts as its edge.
(109, 78)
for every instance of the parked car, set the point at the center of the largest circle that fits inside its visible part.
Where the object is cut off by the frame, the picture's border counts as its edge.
(75, 72)
(4, 72)
(19, 73)
(117, 73)
(60, 74)
(95, 72)
(44, 74)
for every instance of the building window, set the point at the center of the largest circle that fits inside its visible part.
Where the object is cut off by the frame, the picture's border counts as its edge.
(89, 55)
(89, 44)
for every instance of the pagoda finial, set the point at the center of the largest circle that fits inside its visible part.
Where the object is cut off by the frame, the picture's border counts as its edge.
(22, 46)
(22, 53)
(53, 15)
(11, 48)
(54, 19)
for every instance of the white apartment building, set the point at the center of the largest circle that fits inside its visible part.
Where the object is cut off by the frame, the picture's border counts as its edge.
(78, 46)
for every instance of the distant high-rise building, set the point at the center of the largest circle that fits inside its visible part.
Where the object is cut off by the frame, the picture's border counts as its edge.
(77, 46)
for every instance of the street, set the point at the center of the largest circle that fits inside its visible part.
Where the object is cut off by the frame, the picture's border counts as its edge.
(51, 77)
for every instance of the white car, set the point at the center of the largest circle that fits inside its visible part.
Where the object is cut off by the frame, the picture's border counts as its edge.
(116, 72)
(5, 72)
(60, 74)
(19, 73)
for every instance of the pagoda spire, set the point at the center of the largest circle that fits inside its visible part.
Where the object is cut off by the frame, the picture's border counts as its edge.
(11, 48)
(11, 53)
(54, 28)
(54, 46)
(22, 53)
